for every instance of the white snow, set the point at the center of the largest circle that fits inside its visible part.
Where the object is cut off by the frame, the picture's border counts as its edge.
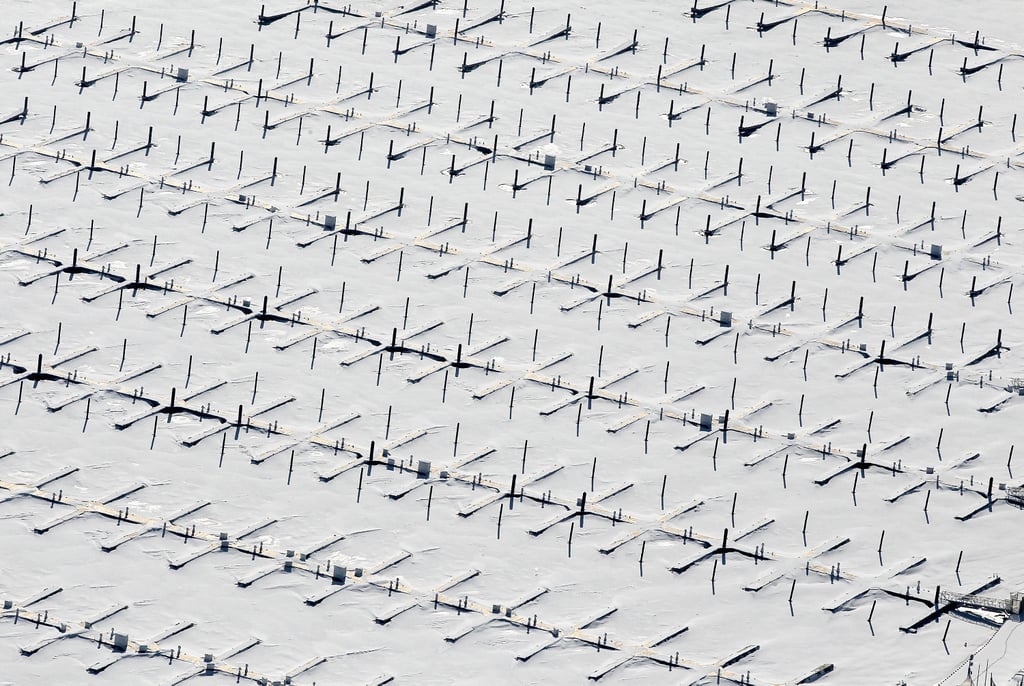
(639, 425)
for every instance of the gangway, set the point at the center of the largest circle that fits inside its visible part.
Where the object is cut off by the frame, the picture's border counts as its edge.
(1010, 606)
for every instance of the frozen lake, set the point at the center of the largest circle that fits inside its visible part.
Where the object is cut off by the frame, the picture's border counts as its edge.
(452, 343)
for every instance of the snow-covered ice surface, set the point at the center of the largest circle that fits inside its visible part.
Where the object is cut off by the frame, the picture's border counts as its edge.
(445, 343)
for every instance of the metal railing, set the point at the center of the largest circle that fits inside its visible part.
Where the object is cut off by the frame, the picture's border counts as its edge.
(1011, 605)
